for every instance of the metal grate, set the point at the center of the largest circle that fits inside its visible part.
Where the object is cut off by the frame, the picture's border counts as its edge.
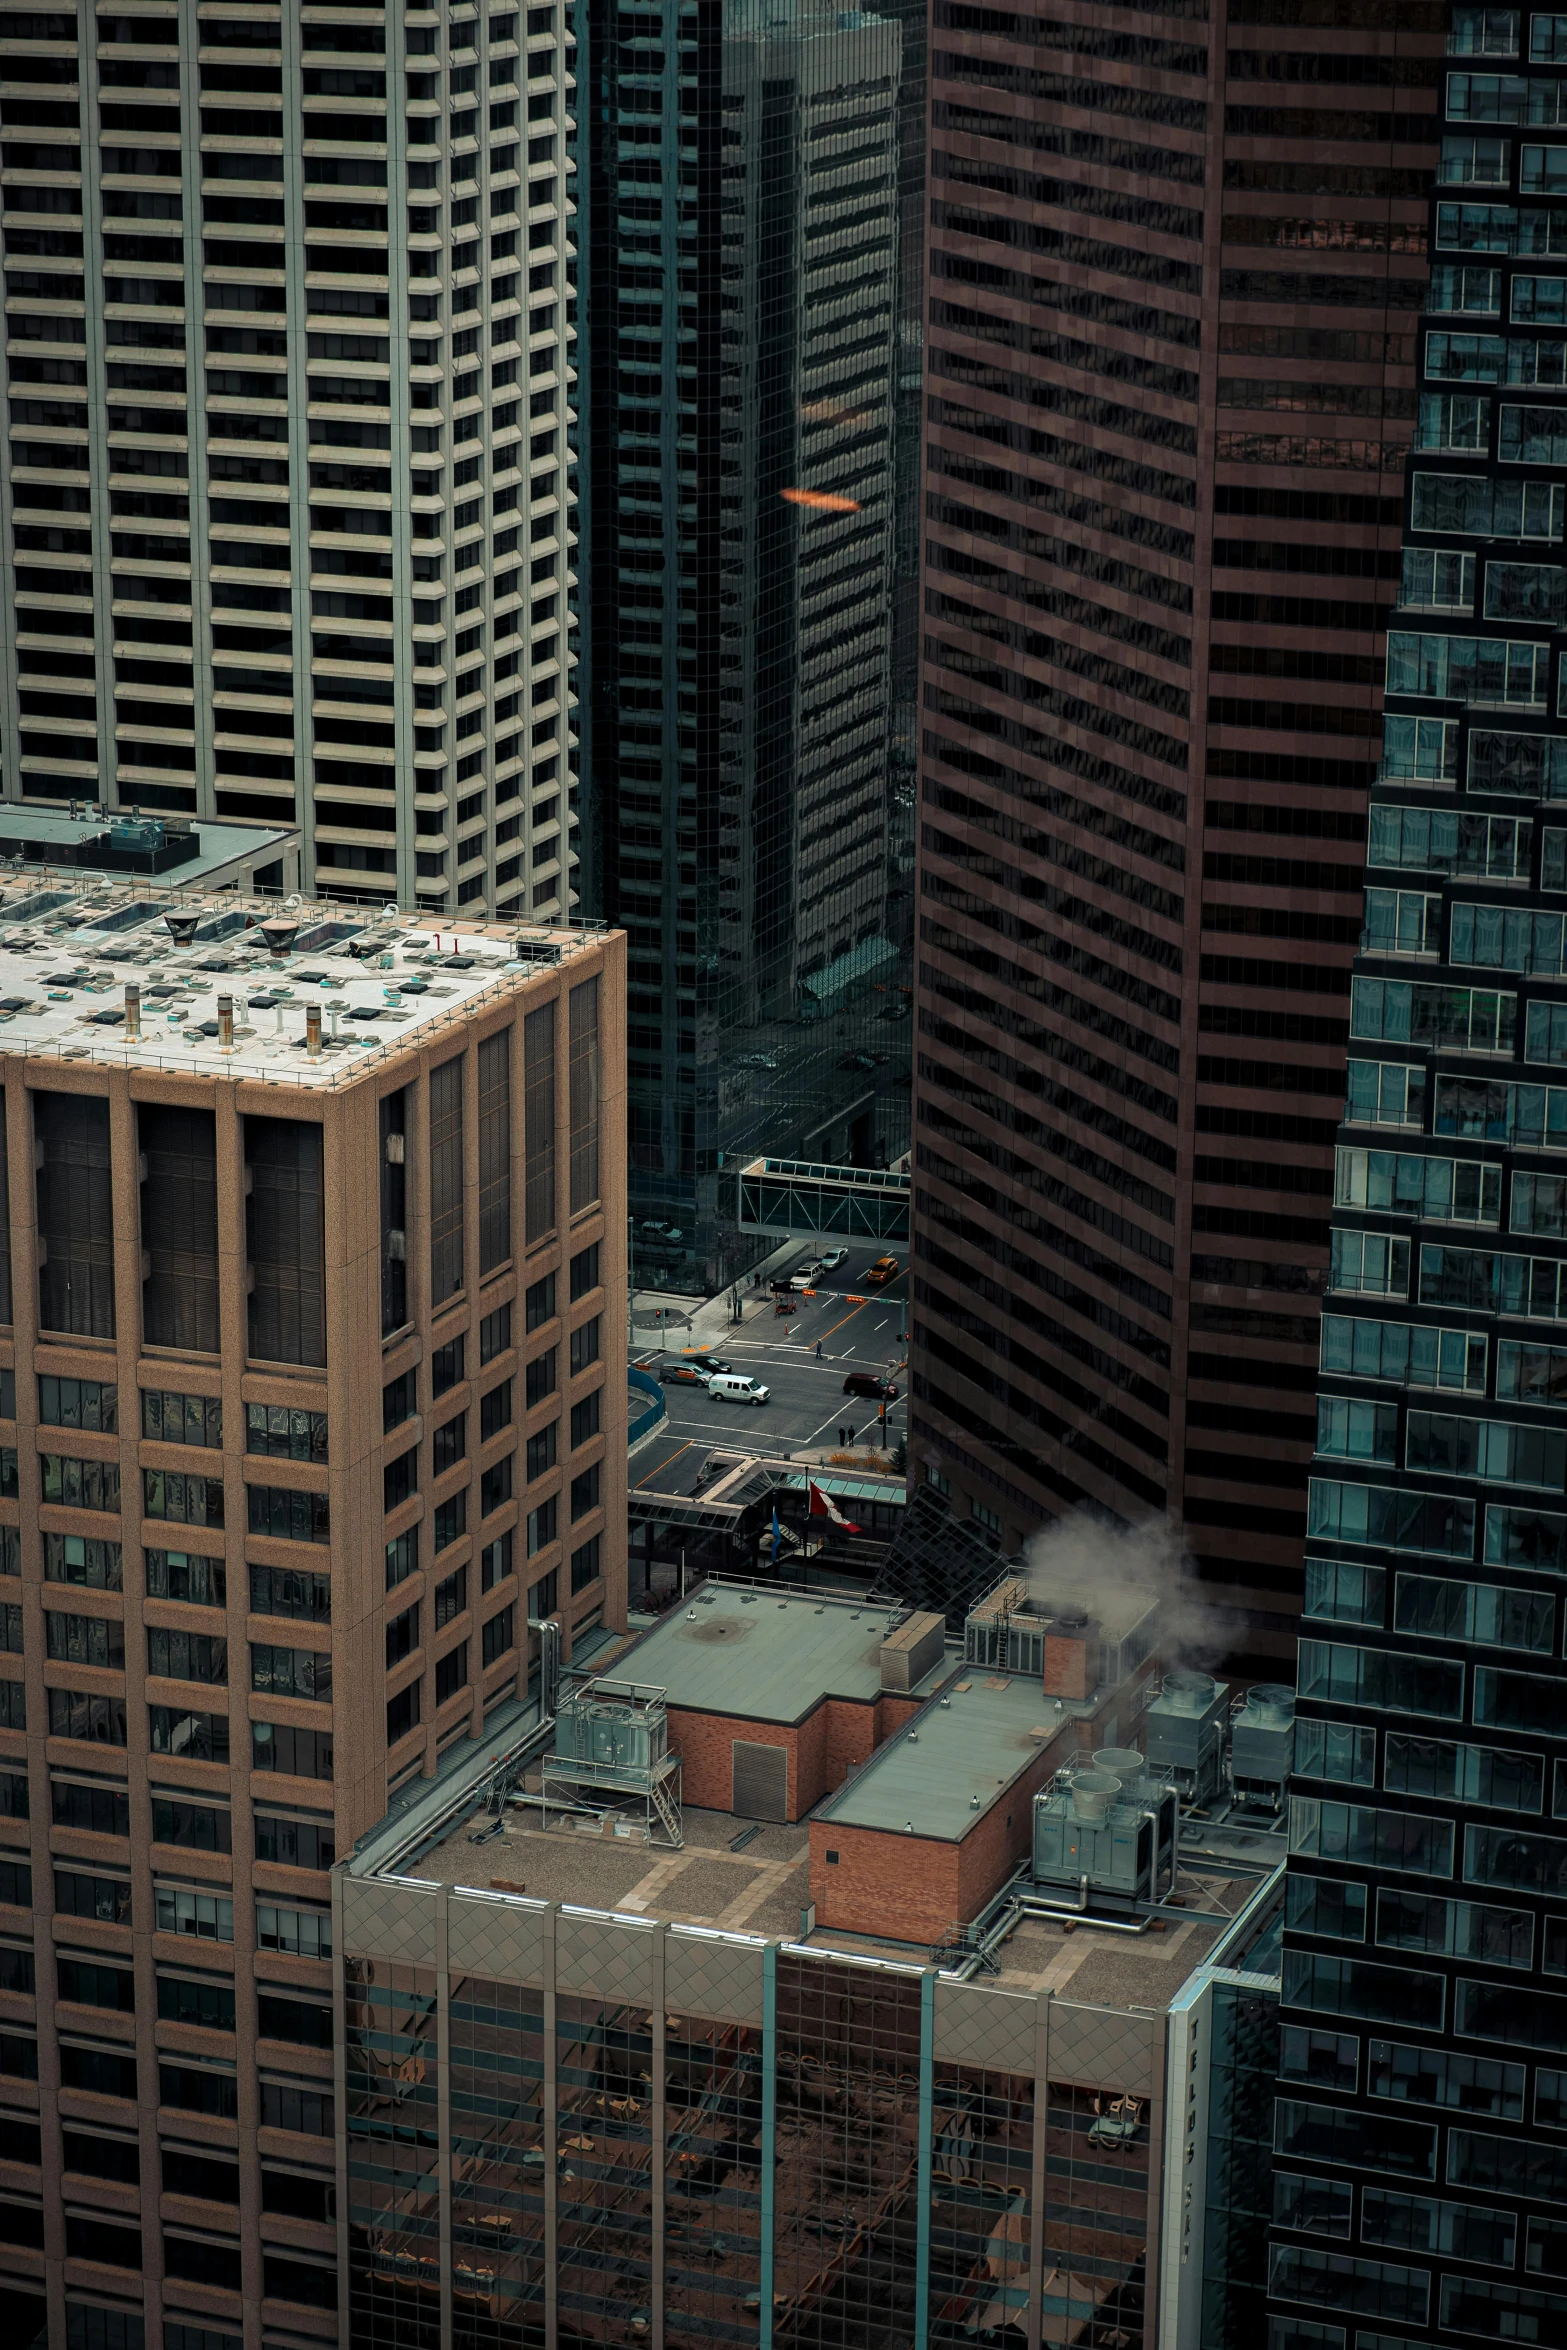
(761, 1781)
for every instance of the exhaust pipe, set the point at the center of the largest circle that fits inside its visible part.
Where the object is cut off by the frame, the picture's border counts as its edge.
(312, 1032)
(225, 1023)
(133, 1011)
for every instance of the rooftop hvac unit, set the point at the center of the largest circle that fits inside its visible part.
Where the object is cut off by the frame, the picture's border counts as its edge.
(1262, 1744)
(1184, 1732)
(1104, 1833)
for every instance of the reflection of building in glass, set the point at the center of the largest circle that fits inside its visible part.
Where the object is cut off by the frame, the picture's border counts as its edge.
(744, 333)
(1423, 2094)
(600, 2092)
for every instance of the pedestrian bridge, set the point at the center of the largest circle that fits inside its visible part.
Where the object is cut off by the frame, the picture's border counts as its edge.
(808, 1201)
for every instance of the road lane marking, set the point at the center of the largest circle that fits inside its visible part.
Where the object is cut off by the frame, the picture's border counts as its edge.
(667, 1463)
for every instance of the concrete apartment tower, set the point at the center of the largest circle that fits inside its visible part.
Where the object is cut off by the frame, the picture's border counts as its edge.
(1175, 260)
(312, 1293)
(285, 500)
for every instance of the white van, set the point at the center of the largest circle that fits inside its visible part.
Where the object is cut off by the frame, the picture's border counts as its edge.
(737, 1387)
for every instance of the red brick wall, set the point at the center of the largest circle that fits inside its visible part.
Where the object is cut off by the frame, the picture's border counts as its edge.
(880, 1876)
(902, 1886)
(836, 1734)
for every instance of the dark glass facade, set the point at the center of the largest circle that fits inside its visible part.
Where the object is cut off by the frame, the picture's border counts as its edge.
(750, 330)
(1175, 260)
(622, 2131)
(1419, 2126)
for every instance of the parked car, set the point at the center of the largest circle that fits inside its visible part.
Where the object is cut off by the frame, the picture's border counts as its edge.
(739, 1387)
(884, 1270)
(804, 1278)
(868, 1383)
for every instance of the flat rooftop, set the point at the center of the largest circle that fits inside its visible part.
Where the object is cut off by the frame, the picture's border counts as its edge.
(70, 941)
(946, 1768)
(768, 1656)
(179, 849)
(765, 1888)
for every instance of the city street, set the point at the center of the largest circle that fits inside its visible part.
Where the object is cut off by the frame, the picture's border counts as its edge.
(808, 1405)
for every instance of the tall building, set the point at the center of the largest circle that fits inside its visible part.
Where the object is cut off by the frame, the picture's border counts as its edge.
(1421, 2103)
(285, 497)
(1174, 265)
(311, 1288)
(746, 334)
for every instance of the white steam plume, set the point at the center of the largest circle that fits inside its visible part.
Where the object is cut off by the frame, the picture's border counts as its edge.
(1082, 1562)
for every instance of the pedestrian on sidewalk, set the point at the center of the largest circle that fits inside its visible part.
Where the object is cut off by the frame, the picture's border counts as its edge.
(818, 1350)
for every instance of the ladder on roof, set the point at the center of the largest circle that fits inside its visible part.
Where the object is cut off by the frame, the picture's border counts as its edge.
(668, 1812)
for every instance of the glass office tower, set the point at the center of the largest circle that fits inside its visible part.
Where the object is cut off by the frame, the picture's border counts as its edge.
(285, 492)
(745, 338)
(1421, 2129)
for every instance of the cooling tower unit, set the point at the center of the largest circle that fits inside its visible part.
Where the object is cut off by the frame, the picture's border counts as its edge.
(1183, 1733)
(1262, 1745)
(1102, 1840)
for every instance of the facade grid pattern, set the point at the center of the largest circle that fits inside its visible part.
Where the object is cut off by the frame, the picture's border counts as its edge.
(285, 491)
(1423, 2025)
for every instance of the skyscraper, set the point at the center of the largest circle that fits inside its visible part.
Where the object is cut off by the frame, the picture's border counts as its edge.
(746, 336)
(308, 1310)
(1422, 2103)
(1174, 263)
(285, 497)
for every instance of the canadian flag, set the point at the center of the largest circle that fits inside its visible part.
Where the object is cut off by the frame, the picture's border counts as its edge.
(823, 1506)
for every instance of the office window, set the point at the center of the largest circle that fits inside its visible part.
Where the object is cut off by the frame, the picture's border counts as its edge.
(451, 1598)
(400, 1479)
(451, 1672)
(584, 1272)
(585, 1564)
(179, 1227)
(181, 1419)
(398, 1401)
(539, 1303)
(451, 1519)
(540, 1376)
(499, 1635)
(494, 1151)
(446, 1366)
(494, 1334)
(286, 1240)
(77, 1403)
(394, 1211)
(542, 1524)
(585, 1491)
(402, 1557)
(585, 1345)
(585, 1418)
(284, 1433)
(75, 1214)
(538, 1050)
(584, 1085)
(446, 1181)
(402, 1712)
(495, 1562)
